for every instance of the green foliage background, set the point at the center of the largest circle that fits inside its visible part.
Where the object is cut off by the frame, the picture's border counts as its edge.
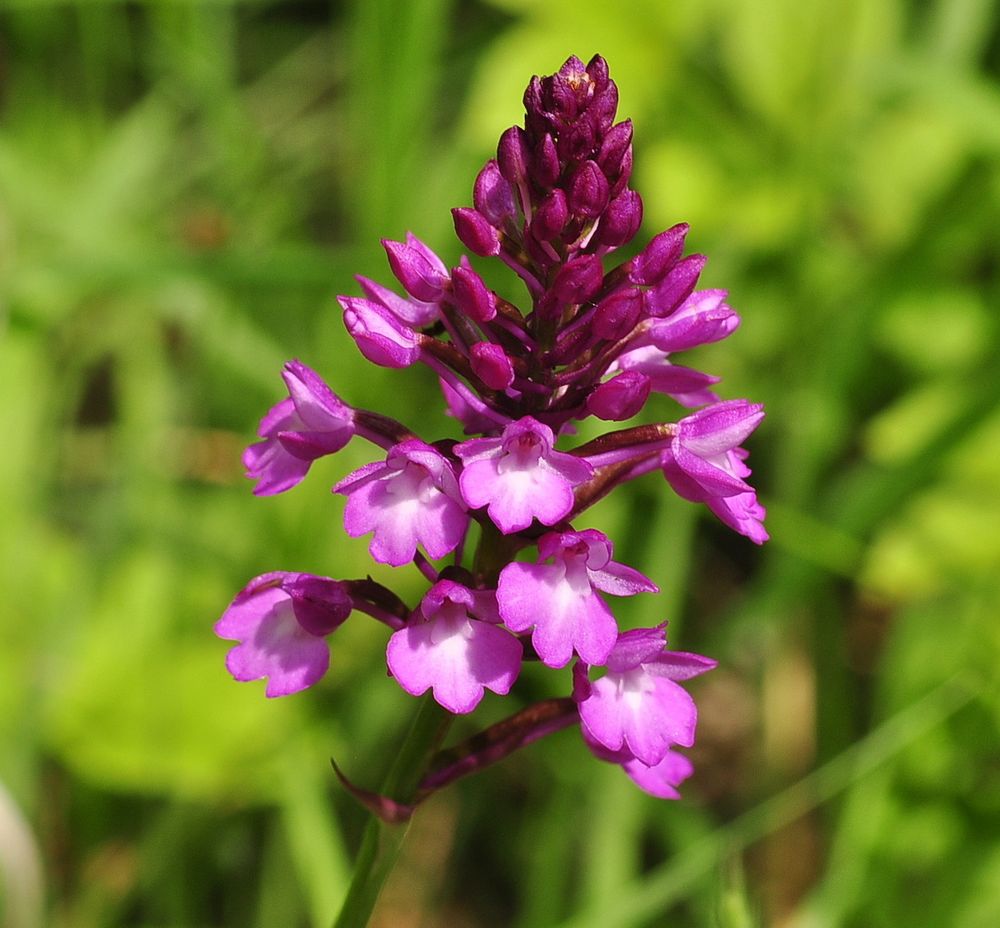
(184, 186)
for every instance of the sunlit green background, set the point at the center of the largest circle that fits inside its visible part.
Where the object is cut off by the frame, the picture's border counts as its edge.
(183, 189)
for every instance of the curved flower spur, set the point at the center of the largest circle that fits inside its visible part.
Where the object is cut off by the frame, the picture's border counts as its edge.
(596, 340)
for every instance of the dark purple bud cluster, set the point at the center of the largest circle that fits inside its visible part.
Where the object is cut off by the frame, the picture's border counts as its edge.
(558, 189)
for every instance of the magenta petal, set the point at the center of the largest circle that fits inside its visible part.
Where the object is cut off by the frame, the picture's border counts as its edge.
(374, 508)
(308, 446)
(743, 514)
(720, 427)
(547, 496)
(561, 611)
(411, 312)
(667, 717)
(412, 498)
(456, 658)
(637, 646)
(440, 525)
(641, 712)
(517, 496)
(274, 469)
(379, 335)
(273, 643)
(683, 484)
(477, 482)
(687, 386)
(603, 714)
(318, 407)
(519, 476)
(621, 580)
(680, 665)
(523, 495)
(569, 467)
(662, 779)
(585, 626)
(713, 479)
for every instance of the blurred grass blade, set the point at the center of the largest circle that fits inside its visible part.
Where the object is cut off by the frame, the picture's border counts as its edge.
(21, 867)
(314, 840)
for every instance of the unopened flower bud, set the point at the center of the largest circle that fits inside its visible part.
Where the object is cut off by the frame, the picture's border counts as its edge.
(676, 287)
(417, 268)
(577, 142)
(603, 107)
(597, 71)
(534, 107)
(703, 318)
(624, 173)
(513, 156)
(476, 232)
(588, 191)
(381, 338)
(492, 366)
(471, 294)
(493, 196)
(621, 220)
(550, 217)
(613, 148)
(568, 85)
(545, 167)
(653, 263)
(579, 279)
(620, 398)
(617, 314)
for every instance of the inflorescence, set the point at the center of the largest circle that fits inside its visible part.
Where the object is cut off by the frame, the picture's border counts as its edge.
(552, 206)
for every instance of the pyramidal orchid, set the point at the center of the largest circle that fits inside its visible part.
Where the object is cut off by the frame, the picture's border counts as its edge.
(598, 337)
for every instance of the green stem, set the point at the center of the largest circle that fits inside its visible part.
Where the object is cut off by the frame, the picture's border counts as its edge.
(382, 842)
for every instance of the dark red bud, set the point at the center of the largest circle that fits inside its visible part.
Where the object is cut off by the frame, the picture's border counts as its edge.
(551, 217)
(572, 70)
(571, 344)
(570, 88)
(618, 314)
(513, 155)
(613, 148)
(588, 191)
(624, 173)
(545, 165)
(579, 279)
(534, 107)
(676, 287)
(621, 220)
(476, 232)
(597, 70)
(620, 398)
(577, 142)
(603, 108)
(493, 196)
(492, 366)
(653, 263)
(471, 295)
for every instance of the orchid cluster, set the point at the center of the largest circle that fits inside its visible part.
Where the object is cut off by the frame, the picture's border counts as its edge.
(597, 341)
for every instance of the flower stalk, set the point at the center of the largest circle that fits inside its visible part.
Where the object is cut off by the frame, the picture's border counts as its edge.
(383, 840)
